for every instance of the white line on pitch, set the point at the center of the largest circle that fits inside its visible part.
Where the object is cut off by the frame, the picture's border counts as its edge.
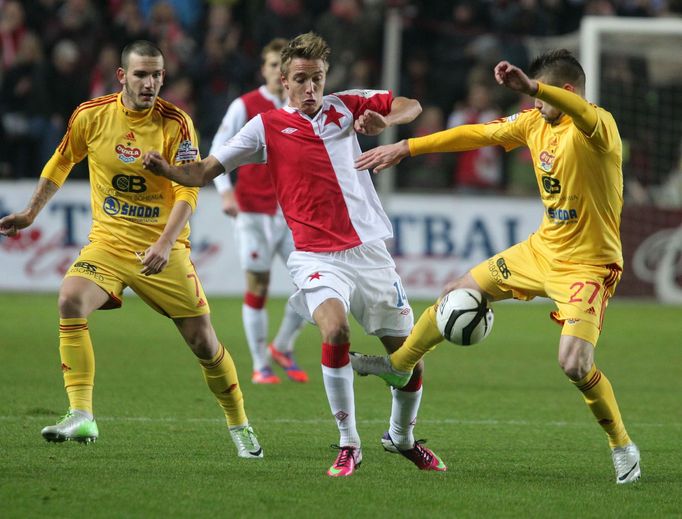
(313, 421)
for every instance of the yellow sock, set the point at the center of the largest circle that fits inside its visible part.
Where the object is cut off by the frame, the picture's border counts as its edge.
(422, 339)
(599, 397)
(221, 377)
(78, 362)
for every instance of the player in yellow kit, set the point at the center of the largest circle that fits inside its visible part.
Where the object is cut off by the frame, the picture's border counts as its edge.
(575, 256)
(139, 238)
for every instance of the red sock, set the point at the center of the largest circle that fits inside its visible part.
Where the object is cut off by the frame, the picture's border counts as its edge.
(335, 355)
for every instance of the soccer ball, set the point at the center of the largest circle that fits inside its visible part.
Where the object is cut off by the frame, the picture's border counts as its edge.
(464, 317)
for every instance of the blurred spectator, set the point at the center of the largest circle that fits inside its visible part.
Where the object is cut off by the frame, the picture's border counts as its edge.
(448, 48)
(221, 71)
(24, 106)
(345, 18)
(80, 22)
(281, 19)
(415, 82)
(188, 12)
(431, 171)
(129, 25)
(477, 170)
(68, 84)
(518, 164)
(166, 30)
(180, 92)
(523, 17)
(68, 88)
(12, 31)
(669, 194)
(103, 77)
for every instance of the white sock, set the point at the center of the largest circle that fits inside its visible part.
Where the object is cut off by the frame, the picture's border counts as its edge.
(288, 330)
(256, 329)
(338, 383)
(404, 409)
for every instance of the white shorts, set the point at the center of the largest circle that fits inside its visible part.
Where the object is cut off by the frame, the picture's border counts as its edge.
(363, 278)
(259, 238)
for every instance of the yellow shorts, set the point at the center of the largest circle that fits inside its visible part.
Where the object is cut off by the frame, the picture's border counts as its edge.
(175, 292)
(580, 291)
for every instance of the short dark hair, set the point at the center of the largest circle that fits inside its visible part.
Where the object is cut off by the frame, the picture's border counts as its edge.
(558, 67)
(141, 48)
(306, 46)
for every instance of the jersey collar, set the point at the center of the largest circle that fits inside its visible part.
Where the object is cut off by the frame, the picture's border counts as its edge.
(136, 115)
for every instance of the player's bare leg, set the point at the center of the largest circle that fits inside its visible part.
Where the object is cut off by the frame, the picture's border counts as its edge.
(576, 358)
(220, 374)
(78, 298)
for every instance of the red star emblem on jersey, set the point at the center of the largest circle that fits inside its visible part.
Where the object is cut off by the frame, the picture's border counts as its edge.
(317, 275)
(332, 116)
(254, 254)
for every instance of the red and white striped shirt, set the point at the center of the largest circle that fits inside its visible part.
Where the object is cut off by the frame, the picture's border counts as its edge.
(327, 203)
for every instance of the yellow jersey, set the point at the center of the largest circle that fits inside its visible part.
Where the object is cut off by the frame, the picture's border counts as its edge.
(130, 205)
(579, 174)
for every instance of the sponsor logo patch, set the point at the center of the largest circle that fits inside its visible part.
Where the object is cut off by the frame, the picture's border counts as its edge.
(127, 154)
(546, 161)
(551, 185)
(129, 183)
(502, 267)
(562, 215)
(114, 207)
(85, 266)
(186, 152)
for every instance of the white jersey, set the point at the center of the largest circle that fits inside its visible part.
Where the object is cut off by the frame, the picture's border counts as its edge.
(328, 204)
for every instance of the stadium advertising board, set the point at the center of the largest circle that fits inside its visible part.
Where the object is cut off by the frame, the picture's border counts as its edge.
(437, 237)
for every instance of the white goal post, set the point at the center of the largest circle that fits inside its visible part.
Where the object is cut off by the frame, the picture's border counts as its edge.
(628, 33)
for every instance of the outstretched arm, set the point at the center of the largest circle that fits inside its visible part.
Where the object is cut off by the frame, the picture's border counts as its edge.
(583, 114)
(403, 111)
(459, 138)
(194, 174)
(10, 224)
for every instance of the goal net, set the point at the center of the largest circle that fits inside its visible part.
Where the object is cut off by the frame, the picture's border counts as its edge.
(634, 70)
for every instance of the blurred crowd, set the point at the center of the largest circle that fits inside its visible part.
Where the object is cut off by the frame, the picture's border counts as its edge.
(55, 54)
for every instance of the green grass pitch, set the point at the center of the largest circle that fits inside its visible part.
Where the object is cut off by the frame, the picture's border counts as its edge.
(515, 434)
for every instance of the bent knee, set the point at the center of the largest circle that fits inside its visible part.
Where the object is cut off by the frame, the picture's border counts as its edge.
(71, 304)
(336, 332)
(574, 371)
(575, 367)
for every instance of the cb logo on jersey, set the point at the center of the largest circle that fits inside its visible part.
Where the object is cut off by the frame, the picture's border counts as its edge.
(129, 183)
(551, 185)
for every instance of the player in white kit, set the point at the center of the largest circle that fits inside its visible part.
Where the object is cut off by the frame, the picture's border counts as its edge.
(341, 263)
(261, 232)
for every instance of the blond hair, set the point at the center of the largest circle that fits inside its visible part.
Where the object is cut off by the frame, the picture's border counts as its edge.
(306, 46)
(275, 45)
